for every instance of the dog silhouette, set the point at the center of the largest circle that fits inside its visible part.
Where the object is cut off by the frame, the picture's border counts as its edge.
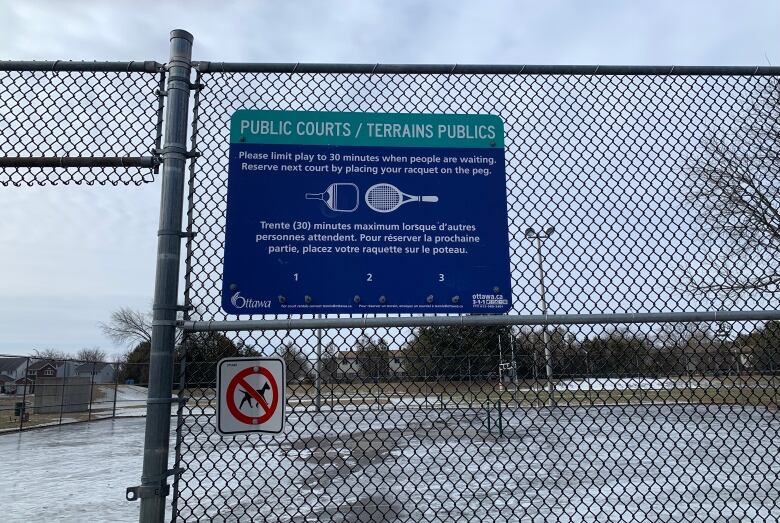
(247, 398)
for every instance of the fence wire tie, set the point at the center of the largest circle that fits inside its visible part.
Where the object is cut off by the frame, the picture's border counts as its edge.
(173, 232)
(177, 308)
(165, 323)
(156, 401)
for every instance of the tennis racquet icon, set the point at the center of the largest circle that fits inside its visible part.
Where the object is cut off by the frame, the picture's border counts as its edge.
(384, 197)
(341, 197)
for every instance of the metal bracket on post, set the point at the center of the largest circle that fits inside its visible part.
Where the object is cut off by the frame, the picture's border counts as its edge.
(177, 308)
(180, 234)
(140, 491)
(193, 87)
(160, 153)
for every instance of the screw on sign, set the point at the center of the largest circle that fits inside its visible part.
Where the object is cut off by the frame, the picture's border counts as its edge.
(251, 395)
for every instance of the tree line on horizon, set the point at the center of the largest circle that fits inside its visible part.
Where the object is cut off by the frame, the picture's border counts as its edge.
(463, 353)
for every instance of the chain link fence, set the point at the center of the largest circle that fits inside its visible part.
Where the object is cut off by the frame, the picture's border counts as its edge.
(80, 122)
(39, 391)
(629, 192)
(74, 123)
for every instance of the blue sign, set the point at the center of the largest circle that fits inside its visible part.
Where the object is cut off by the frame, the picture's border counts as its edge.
(362, 213)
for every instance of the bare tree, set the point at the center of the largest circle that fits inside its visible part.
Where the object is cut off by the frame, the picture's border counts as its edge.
(298, 367)
(131, 327)
(330, 364)
(735, 186)
(128, 327)
(94, 354)
(373, 358)
(51, 354)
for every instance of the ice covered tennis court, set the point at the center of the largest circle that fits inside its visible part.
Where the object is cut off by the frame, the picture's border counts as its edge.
(631, 463)
(404, 462)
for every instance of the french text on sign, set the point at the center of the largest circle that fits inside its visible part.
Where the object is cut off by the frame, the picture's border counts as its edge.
(251, 395)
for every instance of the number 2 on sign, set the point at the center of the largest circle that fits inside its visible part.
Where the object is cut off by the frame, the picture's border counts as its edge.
(369, 276)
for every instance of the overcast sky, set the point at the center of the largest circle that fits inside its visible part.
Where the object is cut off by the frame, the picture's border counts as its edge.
(71, 255)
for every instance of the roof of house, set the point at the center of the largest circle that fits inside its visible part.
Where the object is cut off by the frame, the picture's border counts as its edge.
(38, 365)
(87, 367)
(11, 364)
(5, 378)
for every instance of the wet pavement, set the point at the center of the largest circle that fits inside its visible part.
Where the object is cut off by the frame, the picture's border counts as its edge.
(76, 472)
(399, 463)
(627, 463)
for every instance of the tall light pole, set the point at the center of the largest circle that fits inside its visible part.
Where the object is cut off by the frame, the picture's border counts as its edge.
(318, 378)
(724, 331)
(531, 234)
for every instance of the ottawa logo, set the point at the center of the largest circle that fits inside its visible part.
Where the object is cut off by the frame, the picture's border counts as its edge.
(239, 302)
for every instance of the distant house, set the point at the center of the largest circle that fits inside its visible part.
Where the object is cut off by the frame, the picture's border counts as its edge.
(42, 369)
(13, 366)
(98, 372)
(396, 363)
(348, 366)
(31, 372)
(24, 386)
(7, 384)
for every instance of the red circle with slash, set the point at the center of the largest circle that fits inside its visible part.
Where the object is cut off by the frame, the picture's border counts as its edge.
(267, 408)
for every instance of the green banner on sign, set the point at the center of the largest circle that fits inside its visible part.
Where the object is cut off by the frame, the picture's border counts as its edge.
(367, 129)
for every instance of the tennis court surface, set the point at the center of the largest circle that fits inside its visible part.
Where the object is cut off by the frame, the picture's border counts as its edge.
(401, 461)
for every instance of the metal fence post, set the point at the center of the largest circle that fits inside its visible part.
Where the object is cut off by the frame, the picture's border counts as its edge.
(25, 384)
(318, 378)
(116, 389)
(62, 391)
(91, 389)
(154, 485)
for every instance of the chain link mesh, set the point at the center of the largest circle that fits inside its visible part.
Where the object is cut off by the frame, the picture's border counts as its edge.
(663, 194)
(78, 113)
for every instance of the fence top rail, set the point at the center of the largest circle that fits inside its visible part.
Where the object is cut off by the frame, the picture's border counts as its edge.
(476, 320)
(649, 70)
(68, 65)
(150, 66)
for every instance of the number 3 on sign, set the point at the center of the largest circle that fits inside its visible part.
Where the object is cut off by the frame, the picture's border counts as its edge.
(441, 277)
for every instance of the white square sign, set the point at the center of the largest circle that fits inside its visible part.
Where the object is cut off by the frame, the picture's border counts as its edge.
(251, 395)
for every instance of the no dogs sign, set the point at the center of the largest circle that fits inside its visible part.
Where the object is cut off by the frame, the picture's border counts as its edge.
(251, 395)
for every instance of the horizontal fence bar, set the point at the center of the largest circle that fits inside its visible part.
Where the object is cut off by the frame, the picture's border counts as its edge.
(79, 161)
(647, 70)
(475, 320)
(68, 65)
